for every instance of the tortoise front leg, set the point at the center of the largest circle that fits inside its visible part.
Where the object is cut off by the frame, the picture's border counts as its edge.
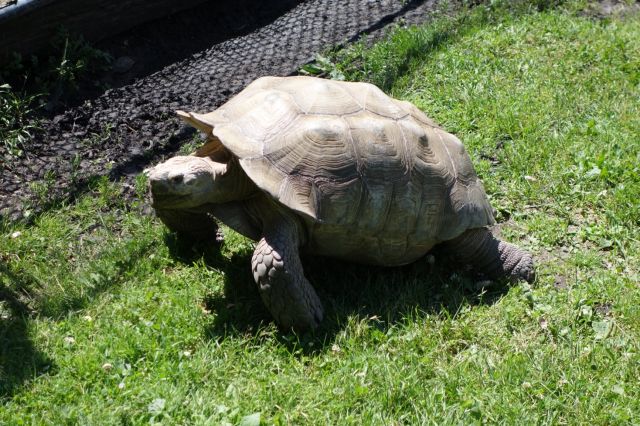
(195, 226)
(235, 216)
(278, 272)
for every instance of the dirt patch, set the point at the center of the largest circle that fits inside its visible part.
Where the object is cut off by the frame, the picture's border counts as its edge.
(188, 61)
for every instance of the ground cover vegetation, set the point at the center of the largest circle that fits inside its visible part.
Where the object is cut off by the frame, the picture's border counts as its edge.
(36, 83)
(105, 318)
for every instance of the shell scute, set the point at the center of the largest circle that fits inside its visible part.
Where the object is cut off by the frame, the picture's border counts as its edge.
(379, 147)
(415, 113)
(262, 116)
(311, 96)
(375, 100)
(314, 147)
(339, 202)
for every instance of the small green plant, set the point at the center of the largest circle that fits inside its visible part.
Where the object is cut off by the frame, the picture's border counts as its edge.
(97, 139)
(322, 66)
(15, 127)
(42, 82)
(75, 167)
(105, 190)
(77, 60)
(42, 188)
(192, 144)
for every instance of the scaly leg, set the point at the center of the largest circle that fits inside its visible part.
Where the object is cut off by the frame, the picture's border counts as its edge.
(491, 256)
(278, 272)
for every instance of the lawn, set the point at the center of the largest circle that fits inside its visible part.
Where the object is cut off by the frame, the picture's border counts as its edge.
(106, 318)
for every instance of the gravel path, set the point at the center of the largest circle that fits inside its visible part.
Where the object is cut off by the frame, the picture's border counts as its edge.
(123, 130)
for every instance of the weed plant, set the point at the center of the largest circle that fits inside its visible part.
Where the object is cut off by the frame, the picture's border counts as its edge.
(16, 128)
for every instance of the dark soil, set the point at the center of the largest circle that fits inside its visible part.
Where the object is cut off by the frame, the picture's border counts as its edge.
(194, 60)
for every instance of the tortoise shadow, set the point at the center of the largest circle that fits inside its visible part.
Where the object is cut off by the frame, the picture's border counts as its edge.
(238, 309)
(391, 296)
(348, 291)
(20, 361)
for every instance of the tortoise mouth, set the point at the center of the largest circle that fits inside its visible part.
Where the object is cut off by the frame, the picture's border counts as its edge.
(169, 202)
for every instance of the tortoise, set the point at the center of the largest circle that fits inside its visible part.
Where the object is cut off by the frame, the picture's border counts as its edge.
(330, 168)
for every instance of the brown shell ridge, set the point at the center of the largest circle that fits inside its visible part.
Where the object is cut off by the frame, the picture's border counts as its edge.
(468, 201)
(317, 90)
(387, 211)
(408, 161)
(363, 193)
(370, 90)
(387, 117)
(363, 107)
(356, 153)
(446, 148)
(313, 178)
(316, 114)
(282, 192)
(310, 177)
(192, 119)
(317, 188)
(214, 149)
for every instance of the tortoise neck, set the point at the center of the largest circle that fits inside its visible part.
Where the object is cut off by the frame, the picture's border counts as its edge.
(231, 181)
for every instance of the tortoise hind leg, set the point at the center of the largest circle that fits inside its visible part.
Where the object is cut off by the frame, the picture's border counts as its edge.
(283, 287)
(491, 256)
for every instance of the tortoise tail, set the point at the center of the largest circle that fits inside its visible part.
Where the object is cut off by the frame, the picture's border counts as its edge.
(491, 256)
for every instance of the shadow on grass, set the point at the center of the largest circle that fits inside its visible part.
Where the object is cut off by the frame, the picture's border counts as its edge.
(19, 359)
(347, 290)
(21, 300)
(239, 309)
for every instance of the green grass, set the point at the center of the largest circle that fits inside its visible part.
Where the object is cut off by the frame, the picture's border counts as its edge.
(107, 319)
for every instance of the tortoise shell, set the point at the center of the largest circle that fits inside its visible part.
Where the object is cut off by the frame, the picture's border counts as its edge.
(373, 178)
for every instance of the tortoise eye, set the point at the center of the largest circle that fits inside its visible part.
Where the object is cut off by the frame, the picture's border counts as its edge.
(176, 179)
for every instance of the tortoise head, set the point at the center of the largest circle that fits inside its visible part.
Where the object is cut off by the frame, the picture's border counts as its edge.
(188, 182)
